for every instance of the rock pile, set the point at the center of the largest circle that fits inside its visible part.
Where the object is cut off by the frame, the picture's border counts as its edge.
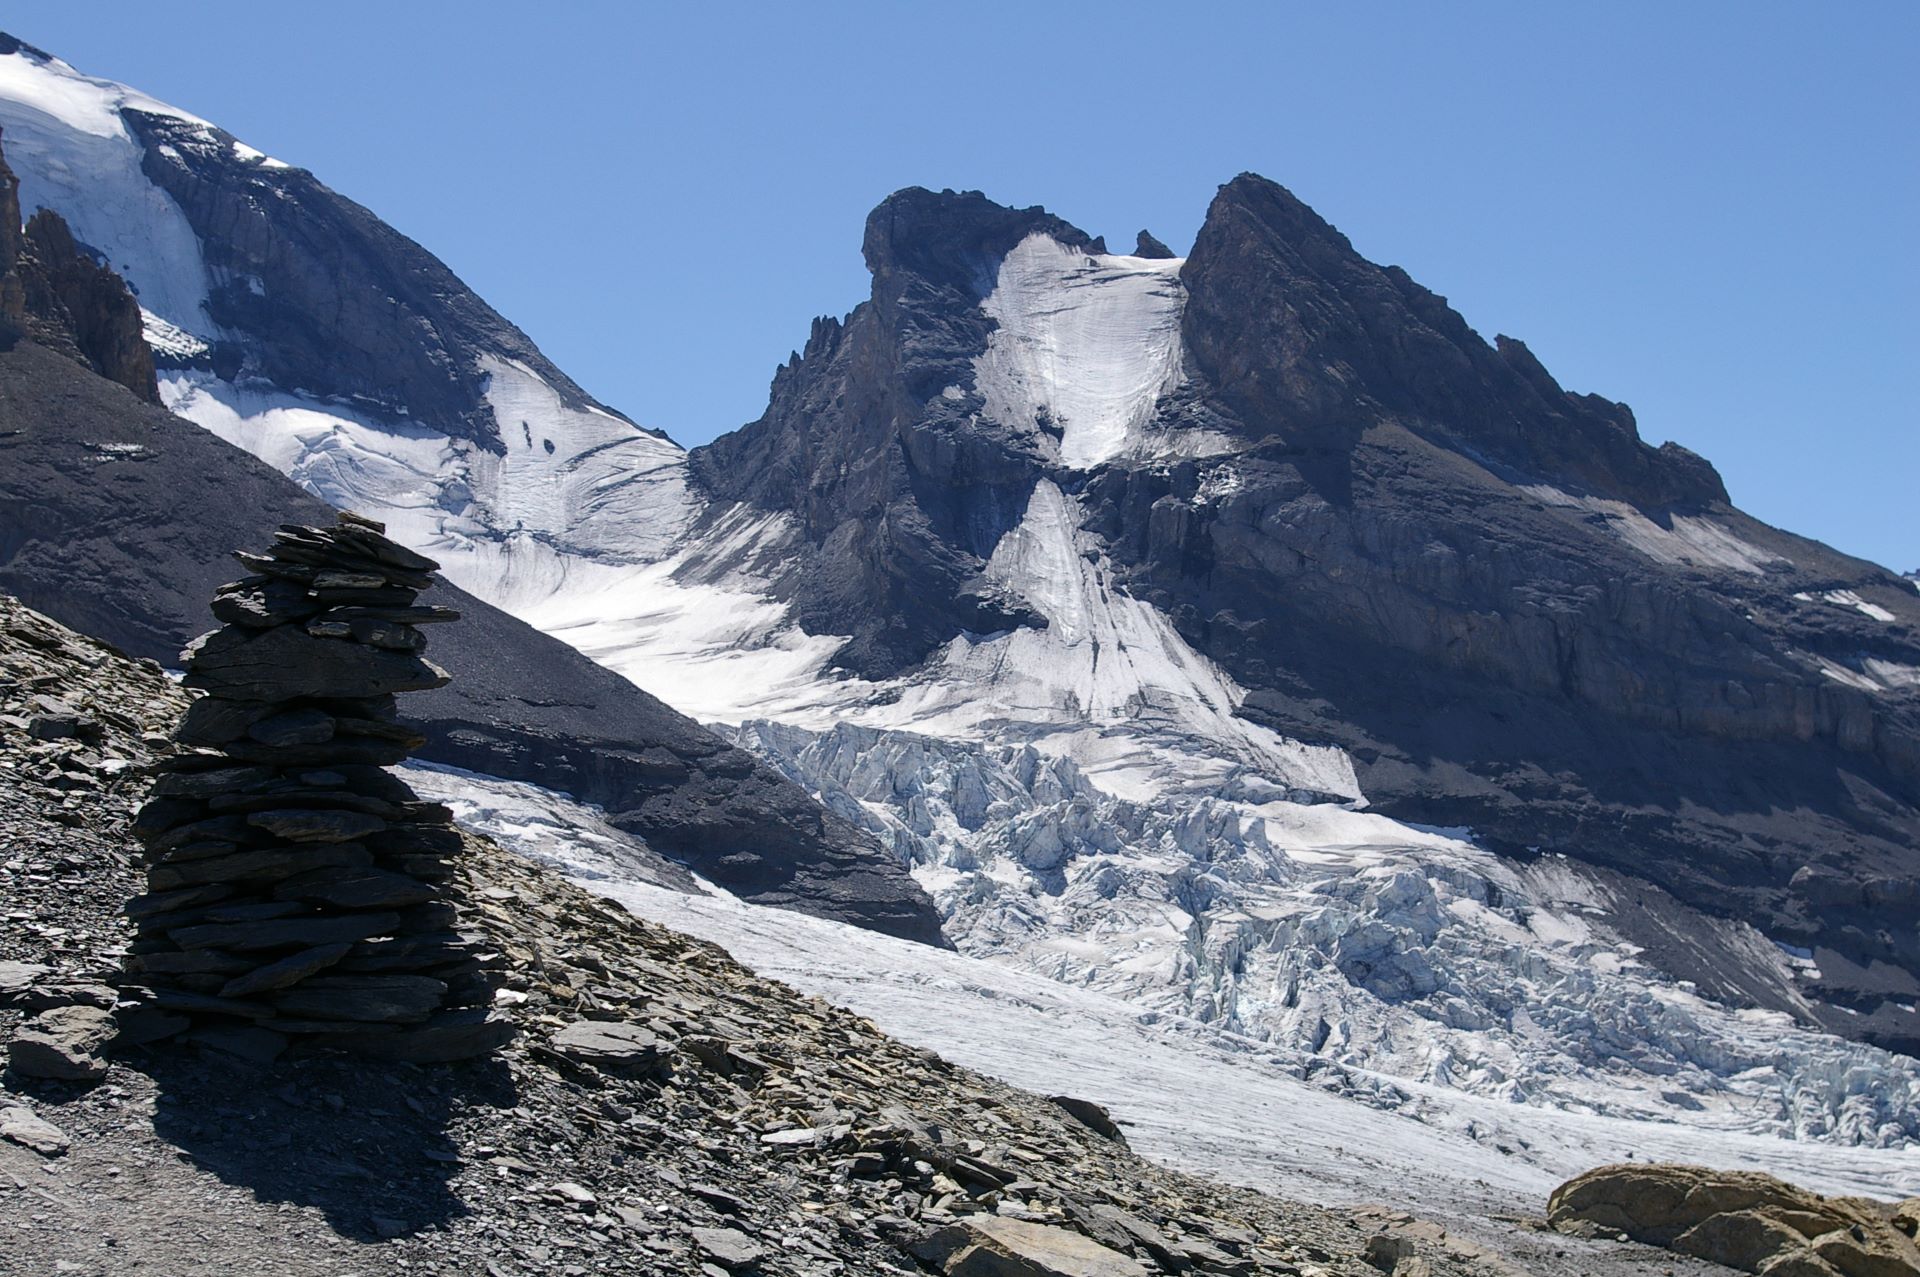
(296, 889)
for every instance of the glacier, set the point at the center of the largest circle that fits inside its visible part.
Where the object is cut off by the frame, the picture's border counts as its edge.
(1195, 1094)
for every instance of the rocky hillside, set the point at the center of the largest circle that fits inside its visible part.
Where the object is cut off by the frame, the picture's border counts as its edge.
(664, 1111)
(118, 517)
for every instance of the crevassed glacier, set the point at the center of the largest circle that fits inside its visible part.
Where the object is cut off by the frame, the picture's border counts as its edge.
(1339, 937)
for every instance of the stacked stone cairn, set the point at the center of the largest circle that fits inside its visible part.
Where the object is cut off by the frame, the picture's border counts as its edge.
(298, 892)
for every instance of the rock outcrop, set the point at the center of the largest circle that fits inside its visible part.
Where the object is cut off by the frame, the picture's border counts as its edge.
(296, 889)
(1744, 1220)
(55, 293)
(1146, 245)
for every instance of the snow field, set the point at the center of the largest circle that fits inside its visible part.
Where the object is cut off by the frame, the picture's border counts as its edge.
(1087, 343)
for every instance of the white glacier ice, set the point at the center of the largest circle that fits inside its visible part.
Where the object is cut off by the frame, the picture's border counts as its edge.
(1688, 540)
(572, 489)
(1339, 937)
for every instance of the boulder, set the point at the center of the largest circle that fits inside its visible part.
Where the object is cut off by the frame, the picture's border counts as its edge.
(1741, 1219)
(27, 1129)
(64, 1044)
(1092, 1116)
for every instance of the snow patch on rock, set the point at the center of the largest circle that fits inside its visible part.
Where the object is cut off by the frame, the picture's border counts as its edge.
(1086, 346)
(1686, 540)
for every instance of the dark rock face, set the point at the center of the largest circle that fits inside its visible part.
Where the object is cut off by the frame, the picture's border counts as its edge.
(56, 294)
(900, 493)
(1424, 558)
(1145, 245)
(330, 298)
(92, 489)
(1309, 343)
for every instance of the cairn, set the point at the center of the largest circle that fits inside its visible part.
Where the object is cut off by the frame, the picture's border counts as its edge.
(297, 891)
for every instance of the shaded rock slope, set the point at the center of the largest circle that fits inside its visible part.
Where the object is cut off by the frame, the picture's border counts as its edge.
(118, 517)
(1398, 539)
(663, 1110)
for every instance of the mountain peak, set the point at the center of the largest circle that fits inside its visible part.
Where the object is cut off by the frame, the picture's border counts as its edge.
(955, 238)
(1147, 245)
(1303, 335)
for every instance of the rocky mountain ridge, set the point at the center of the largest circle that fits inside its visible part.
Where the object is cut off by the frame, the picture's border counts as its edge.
(1396, 539)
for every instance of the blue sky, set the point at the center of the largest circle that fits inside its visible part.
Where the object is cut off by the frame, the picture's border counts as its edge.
(1706, 210)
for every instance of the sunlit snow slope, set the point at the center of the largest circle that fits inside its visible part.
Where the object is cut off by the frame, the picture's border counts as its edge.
(566, 484)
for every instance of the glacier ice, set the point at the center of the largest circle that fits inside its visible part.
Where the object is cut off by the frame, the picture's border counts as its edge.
(1085, 343)
(1339, 937)
(74, 154)
(1197, 1094)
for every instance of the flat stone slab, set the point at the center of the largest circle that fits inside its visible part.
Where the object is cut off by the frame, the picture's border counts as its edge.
(288, 933)
(29, 1130)
(288, 971)
(362, 888)
(17, 980)
(64, 1044)
(612, 1046)
(316, 825)
(378, 998)
(271, 864)
(729, 1247)
(287, 663)
(992, 1246)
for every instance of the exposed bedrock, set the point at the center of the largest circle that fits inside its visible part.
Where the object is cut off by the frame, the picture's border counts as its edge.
(54, 292)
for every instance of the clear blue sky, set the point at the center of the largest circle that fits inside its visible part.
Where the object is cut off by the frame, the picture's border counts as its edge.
(1707, 210)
